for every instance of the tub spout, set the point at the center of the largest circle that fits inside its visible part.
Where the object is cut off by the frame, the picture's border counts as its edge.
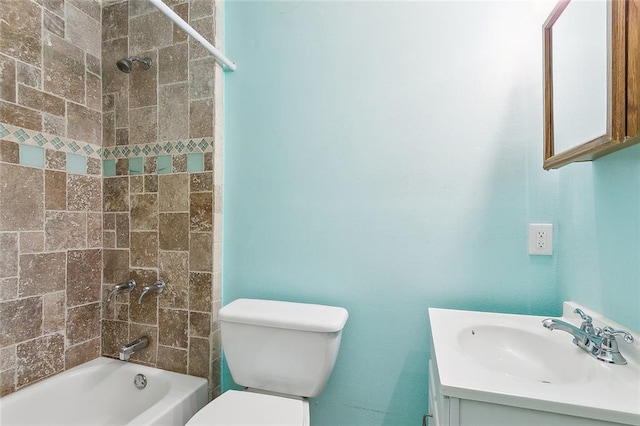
(127, 350)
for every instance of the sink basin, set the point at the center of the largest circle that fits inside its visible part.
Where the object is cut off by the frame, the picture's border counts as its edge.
(524, 355)
(513, 360)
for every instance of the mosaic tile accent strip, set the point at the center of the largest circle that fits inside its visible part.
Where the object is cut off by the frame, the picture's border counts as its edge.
(189, 146)
(48, 141)
(85, 149)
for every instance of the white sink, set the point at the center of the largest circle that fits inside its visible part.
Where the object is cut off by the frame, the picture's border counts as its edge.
(524, 355)
(513, 360)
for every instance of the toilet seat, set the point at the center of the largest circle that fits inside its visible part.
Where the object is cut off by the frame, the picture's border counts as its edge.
(250, 409)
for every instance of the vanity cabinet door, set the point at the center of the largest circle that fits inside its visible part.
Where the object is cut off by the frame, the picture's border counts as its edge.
(478, 413)
(450, 411)
(438, 403)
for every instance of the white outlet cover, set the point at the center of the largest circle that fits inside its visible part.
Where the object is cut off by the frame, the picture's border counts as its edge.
(534, 229)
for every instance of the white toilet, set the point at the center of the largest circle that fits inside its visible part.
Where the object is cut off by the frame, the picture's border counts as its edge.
(283, 352)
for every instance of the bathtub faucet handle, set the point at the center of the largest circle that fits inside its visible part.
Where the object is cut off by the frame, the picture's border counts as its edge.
(128, 285)
(157, 288)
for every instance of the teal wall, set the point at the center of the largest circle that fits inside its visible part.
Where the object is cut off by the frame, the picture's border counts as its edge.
(599, 228)
(386, 157)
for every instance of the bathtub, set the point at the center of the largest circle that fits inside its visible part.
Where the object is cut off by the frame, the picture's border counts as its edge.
(102, 392)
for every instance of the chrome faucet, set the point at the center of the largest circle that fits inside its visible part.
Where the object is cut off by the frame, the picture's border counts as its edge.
(600, 343)
(127, 350)
(580, 337)
(128, 285)
(157, 288)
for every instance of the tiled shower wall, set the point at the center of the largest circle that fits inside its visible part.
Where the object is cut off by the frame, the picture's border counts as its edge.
(50, 188)
(162, 186)
(157, 135)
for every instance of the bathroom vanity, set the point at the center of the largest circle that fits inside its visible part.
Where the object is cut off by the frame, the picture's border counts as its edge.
(503, 370)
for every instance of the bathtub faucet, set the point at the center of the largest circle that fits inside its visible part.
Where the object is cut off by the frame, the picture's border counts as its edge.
(128, 285)
(127, 350)
(157, 288)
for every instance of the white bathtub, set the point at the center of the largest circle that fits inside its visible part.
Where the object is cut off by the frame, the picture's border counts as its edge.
(102, 392)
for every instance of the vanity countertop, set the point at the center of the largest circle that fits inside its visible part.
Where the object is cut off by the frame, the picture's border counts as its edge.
(513, 360)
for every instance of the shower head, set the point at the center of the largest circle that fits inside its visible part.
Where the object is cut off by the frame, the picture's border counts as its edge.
(125, 65)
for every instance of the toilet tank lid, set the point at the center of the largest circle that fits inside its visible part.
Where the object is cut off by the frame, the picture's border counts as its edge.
(287, 315)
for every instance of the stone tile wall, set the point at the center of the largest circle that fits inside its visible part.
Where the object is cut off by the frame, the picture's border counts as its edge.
(50, 188)
(51, 68)
(162, 186)
(163, 226)
(50, 268)
(64, 106)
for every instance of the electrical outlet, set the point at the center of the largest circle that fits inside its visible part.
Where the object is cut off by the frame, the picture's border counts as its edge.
(541, 239)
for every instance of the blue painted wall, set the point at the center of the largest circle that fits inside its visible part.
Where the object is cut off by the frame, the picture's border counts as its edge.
(599, 235)
(386, 157)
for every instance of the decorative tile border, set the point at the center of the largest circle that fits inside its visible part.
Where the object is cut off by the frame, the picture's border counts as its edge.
(190, 146)
(48, 141)
(71, 146)
(194, 162)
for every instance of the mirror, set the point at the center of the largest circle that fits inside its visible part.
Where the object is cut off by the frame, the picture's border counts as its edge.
(580, 68)
(585, 80)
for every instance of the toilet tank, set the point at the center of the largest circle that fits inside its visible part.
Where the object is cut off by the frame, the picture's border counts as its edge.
(282, 347)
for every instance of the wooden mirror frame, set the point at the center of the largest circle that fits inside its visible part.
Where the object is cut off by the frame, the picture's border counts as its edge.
(619, 105)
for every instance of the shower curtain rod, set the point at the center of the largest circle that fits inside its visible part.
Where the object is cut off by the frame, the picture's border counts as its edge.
(193, 33)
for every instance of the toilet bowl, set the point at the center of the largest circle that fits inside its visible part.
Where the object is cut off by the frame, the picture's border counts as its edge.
(250, 408)
(282, 352)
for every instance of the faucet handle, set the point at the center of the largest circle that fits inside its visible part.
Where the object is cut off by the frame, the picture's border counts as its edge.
(608, 332)
(608, 350)
(587, 321)
(157, 288)
(129, 285)
(584, 316)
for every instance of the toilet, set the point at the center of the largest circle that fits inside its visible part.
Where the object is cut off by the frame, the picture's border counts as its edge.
(282, 353)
